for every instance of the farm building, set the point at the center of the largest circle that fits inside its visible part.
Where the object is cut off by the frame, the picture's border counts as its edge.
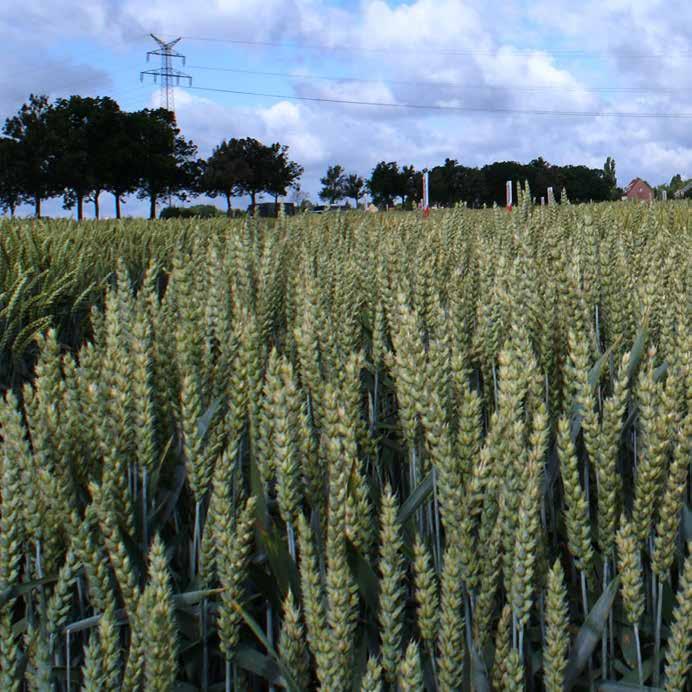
(685, 191)
(639, 189)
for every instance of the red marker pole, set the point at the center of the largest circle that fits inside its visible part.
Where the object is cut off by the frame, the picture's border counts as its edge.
(508, 194)
(426, 194)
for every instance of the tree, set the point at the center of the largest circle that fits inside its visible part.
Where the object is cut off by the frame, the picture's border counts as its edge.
(119, 171)
(113, 155)
(584, 184)
(445, 185)
(676, 183)
(283, 173)
(610, 177)
(541, 175)
(81, 127)
(224, 171)
(333, 184)
(411, 186)
(11, 194)
(385, 183)
(259, 162)
(495, 177)
(452, 183)
(353, 187)
(167, 163)
(36, 149)
(472, 188)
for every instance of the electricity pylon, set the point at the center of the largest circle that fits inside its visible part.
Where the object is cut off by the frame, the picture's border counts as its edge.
(166, 73)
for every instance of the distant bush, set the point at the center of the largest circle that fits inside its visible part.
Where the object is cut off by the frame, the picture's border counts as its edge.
(198, 211)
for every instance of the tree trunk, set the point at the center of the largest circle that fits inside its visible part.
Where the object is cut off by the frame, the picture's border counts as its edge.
(228, 204)
(37, 206)
(80, 207)
(276, 206)
(152, 205)
(117, 205)
(96, 204)
(355, 199)
(253, 196)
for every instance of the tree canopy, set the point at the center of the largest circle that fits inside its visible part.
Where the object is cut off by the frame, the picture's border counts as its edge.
(282, 173)
(354, 185)
(262, 168)
(610, 177)
(81, 129)
(333, 184)
(167, 163)
(79, 147)
(385, 183)
(225, 171)
(11, 189)
(37, 150)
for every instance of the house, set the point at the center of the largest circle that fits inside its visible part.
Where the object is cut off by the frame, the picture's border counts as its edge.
(685, 191)
(639, 189)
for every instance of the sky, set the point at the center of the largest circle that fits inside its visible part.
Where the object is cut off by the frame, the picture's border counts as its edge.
(490, 81)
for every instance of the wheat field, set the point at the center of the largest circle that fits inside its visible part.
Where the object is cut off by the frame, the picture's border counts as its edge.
(348, 452)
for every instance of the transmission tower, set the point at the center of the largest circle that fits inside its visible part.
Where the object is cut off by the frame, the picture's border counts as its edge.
(166, 75)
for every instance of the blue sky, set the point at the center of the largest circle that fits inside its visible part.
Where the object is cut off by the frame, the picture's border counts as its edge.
(551, 55)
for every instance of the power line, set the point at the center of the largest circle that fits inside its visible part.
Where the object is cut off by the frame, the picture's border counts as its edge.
(456, 109)
(457, 85)
(441, 51)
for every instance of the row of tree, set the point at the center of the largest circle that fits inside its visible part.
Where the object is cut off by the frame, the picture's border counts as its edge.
(452, 183)
(248, 167)
(80, 147)
(338, 185)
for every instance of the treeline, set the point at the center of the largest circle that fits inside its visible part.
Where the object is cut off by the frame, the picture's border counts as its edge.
(79, 147)
(452, 183)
